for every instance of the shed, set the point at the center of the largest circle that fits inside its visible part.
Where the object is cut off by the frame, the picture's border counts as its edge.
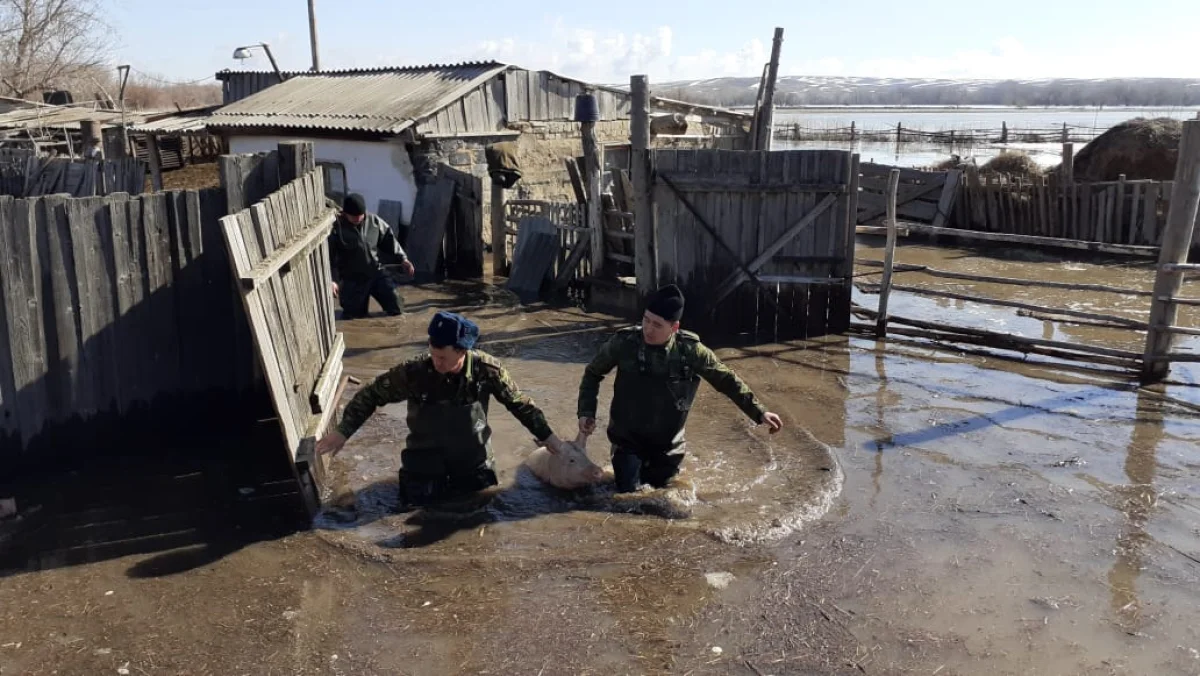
(383, 132)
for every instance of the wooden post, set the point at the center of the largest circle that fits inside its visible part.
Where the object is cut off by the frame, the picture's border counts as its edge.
(851, 131)
(1068, 163)
(889, 253)
(89, 132)
(1065, 137)
(593, 160)
(1176, 240)
(644, 264)
(499, 239)
(766, 130)
(1004, 132)
(156, 179)
(898, 128)
(1118, 233)
(296, 159)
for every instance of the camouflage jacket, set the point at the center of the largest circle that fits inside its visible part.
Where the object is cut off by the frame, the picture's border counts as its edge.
(621, 352)
(417, 377)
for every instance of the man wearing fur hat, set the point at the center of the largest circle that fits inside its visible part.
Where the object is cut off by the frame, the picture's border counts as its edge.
(360, 246)
(448, 452)
(659, 368)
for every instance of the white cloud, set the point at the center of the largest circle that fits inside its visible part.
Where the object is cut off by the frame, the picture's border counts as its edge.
(613, 56)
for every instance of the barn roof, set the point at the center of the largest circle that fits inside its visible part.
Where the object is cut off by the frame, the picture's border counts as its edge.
(381, 100)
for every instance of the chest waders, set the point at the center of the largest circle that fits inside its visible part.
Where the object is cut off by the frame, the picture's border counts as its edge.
(650, 410)
(448, 450)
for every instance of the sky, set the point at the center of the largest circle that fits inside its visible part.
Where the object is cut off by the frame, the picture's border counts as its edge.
(671, 40)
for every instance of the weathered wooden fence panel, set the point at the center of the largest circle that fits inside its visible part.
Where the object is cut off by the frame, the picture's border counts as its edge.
(923, 196)
(105, 318)
(1130, 212)
(279, 252)
(757, 240)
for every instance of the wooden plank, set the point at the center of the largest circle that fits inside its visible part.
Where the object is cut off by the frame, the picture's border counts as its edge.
(164, 344)
(61, 306)
(722, 182)
(1150, 215)
(576, 178)
(1133, 230)
(666, 218)
(1047, 242)
(390, 211)
(568, 269)
(946, 202)
(22, 293)
(91, 242)
(727, 286)
(429, 225)
(277, 302)
(321, 398)
(642, 174)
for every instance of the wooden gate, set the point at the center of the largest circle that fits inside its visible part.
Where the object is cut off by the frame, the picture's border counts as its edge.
(923, 196)
(760, 242)
(280, 255)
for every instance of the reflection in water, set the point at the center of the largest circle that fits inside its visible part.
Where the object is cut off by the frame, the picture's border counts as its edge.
(883, 437)
(1138, 499)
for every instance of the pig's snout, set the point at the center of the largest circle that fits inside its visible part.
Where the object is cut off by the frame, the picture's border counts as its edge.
(594, 473)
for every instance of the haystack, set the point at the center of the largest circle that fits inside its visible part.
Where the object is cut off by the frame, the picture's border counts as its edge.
(1012, 164)
(1139, 148)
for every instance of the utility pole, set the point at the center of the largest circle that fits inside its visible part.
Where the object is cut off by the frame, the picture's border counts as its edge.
(312, 34)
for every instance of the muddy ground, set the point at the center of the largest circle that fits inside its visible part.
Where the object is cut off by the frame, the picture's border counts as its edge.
(990, 517)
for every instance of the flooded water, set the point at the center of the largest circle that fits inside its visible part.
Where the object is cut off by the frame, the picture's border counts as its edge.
(945, 119)
(925, 511)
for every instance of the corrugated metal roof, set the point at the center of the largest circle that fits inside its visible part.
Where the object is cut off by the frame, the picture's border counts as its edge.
(60, 116)
(385, 100)
(194, 121)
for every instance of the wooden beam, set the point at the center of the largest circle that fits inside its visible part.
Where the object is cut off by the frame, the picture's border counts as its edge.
(299, 245)
(800, 279)
(1128, 323)
(1048, 242)
(1089, 349)
(593, 158)
(641, 173)
(946, 274)
(1172, 260)
(499, 240)
(573, 259)
(889, 254)
(321, 398)
(734, 280)
(689, 182)
(152, 154)
(766, 127)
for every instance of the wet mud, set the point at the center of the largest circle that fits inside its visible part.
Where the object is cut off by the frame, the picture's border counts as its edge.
(925, 511)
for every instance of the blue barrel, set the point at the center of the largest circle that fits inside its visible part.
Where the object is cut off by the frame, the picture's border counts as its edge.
(587, 108)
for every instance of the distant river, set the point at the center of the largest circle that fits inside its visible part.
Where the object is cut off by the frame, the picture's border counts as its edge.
(945, 119)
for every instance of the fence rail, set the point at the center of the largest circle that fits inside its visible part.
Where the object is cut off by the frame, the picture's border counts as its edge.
(964, 136)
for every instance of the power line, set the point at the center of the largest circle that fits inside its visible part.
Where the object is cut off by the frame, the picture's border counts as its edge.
(160, 80)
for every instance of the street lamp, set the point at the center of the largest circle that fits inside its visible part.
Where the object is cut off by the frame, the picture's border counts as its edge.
(243, 53)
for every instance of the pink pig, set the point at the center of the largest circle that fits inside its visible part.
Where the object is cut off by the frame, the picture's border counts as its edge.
(569, 469)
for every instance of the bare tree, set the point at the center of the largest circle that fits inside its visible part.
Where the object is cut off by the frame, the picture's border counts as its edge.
(46, 43)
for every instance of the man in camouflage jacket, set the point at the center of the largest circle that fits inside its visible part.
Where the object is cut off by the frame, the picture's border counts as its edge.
(659, 369)
(448, 450)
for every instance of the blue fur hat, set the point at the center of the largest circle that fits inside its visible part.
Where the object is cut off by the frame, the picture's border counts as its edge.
(448, 329)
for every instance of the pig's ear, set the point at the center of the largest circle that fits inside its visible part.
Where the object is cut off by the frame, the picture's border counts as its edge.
(581, 440)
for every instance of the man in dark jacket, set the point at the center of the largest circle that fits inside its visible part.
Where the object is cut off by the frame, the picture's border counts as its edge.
(360, 245)
(659, 369)
(448, 452)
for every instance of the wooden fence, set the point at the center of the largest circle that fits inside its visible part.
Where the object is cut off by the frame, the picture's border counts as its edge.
(114, 307)
(760, 240)
(24, 174)
(280, 255)
(964, 136)
(1111, 212)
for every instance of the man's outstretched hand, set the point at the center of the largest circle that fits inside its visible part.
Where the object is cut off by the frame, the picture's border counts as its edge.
(772, 421)
(331, 443)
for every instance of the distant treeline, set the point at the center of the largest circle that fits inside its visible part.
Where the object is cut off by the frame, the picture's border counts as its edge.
(872, 91)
